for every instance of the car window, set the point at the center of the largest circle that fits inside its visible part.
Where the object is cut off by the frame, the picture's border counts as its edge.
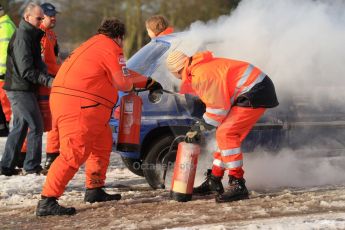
(146, 60)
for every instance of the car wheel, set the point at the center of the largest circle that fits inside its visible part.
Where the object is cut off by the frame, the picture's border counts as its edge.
(134, 165)
(157, 158)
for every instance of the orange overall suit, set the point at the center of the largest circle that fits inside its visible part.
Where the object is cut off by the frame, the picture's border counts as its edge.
(82, 97)
(50, 57)
(234, 102)
(5, 103)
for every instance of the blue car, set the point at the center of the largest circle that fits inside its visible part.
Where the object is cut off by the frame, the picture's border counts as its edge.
(290, 125)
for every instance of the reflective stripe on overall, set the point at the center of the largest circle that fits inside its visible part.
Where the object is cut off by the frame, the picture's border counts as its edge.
(240, 89)
(235, 127)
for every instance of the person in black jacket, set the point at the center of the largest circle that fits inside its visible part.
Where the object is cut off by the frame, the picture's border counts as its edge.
(25, 72)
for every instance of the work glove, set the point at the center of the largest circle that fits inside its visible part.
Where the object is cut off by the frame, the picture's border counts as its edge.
(153, 85)
(194, 135)
(155, 90)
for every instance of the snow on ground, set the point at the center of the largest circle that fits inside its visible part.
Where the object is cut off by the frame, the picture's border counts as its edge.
(22, 191)
(280, 207)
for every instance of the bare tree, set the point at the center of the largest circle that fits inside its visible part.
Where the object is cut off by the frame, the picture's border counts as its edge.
(79, 19)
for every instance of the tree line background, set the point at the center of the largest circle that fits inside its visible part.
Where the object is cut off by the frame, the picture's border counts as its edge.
(79, 19)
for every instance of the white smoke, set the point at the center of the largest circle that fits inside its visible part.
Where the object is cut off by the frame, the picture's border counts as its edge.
(300, 45)
(293, 168)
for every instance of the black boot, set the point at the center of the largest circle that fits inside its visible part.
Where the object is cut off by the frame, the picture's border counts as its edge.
(38, 171)
(50, 159)
(237, 190)
(10, 171)
(21, 159)
(49, 206)
(99, 195)
(4, 129)
(212, 184)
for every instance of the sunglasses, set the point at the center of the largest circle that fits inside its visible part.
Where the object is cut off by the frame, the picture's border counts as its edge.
(39, 18)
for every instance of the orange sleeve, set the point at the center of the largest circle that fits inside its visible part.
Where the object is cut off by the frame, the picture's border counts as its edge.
(139, 81)
(117, 71)
(43, 45)
(48, 55)
(53, 69)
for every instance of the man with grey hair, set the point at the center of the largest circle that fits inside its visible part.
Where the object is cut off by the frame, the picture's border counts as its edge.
(25, 72)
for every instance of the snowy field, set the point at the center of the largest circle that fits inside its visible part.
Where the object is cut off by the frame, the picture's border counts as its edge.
(272, 205)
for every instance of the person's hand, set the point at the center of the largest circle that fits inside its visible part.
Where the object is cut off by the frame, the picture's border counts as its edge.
(192, 137)
(45, 79)
(155, 89)
(153, 86)
(195, 133)
(205, 126)
(50, 82)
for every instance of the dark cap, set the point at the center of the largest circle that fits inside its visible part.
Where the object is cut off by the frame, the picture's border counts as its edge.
(1, 7)
(49, 9)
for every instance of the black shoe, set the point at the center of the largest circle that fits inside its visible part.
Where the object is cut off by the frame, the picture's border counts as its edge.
(38, 170)
(10, 172)
(237, 190)
(50, 159)
(212, 184)
(4, 130)
(99, 195)
(49, 206)
(21, 159)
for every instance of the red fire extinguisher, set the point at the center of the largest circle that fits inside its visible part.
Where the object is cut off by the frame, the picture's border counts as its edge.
(128, 139)
(43, 103)
(184, 171)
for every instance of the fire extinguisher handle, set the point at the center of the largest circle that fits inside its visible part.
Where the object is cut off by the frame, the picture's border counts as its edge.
(137, 90)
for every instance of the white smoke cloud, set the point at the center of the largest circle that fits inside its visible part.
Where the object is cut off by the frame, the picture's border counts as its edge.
(293, 168)
(300, 45)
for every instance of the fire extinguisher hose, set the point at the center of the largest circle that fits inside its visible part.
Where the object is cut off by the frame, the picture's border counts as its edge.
(173, 93)
(165, 166)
